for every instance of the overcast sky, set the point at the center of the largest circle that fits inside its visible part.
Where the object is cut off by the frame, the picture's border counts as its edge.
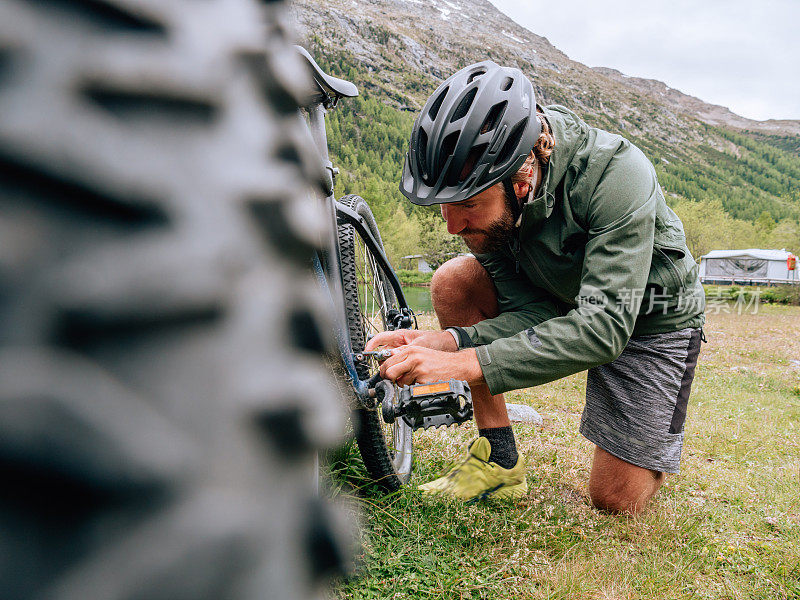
(743, 54)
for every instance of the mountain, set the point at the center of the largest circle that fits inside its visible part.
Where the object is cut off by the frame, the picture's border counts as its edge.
(398, 51)
(398, 40)
(712, 114)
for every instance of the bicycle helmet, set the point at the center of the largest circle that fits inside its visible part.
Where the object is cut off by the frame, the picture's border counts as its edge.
(473, 132)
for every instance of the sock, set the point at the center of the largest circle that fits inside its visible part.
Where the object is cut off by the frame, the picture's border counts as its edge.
(504, 447)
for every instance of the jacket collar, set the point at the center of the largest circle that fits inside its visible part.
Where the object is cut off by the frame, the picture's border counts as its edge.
(569, 132)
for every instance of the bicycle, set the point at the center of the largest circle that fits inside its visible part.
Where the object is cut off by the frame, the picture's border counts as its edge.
(366, 297)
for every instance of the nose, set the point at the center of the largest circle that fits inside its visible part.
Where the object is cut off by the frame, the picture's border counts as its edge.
(455, 223)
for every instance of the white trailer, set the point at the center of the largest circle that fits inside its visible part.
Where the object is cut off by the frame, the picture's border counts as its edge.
(749, 267)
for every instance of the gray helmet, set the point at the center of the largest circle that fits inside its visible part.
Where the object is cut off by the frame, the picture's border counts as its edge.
(474, 131)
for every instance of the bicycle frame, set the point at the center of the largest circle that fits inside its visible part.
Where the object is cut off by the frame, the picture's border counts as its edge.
(327, 265)
(389, 461)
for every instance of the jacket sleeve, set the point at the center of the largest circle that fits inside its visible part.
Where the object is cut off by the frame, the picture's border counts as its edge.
(620, 217)
(520, 304)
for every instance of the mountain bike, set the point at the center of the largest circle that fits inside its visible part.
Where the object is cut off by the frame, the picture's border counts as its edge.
(366, 298)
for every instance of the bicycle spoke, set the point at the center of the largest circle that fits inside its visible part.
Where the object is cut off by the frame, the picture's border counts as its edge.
(373, 295)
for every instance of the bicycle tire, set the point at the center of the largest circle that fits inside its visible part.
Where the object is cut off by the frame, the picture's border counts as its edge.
(157, 316)
(387, 450)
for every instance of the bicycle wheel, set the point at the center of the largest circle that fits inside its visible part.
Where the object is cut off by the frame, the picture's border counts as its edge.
(157, 317)
(386, 449)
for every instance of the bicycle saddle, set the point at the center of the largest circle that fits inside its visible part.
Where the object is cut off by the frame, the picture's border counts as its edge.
(327, 84)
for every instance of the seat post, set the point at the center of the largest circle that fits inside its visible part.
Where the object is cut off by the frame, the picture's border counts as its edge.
(316, 125)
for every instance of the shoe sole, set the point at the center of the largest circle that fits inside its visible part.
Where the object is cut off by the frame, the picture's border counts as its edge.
(502, 491)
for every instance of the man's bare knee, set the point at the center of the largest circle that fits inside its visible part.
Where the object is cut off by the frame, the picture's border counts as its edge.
(462, 293)
(620, 487)
(459, 271)
(621, 500)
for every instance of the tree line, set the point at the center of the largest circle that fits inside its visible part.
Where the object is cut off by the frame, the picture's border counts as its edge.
(739, 190)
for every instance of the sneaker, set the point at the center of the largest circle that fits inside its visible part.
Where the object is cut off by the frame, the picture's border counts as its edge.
(476, 479)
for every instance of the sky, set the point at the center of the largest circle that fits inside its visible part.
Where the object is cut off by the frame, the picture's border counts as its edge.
(741, 54)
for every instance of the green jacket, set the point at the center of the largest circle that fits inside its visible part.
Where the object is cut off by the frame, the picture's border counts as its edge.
(600, 257)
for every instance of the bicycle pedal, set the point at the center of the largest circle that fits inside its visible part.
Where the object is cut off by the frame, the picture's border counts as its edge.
(425, 405)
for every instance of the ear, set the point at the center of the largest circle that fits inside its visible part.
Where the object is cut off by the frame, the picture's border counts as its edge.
(522, 189)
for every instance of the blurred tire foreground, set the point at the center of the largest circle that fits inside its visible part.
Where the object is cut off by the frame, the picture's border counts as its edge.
(162, 394)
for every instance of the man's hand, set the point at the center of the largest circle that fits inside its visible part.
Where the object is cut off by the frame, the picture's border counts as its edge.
(417, 364)
(436, 340)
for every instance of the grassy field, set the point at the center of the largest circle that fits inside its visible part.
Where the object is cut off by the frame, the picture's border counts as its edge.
(728, 526)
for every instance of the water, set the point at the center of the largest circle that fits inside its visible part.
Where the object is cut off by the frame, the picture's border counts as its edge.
(418, 298)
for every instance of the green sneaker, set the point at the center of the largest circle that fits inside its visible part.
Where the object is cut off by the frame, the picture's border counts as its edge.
(476, 479)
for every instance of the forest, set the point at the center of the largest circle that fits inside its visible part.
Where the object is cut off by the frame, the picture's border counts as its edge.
(734, 189)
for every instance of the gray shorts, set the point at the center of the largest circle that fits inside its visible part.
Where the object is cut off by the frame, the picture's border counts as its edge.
(636, 404)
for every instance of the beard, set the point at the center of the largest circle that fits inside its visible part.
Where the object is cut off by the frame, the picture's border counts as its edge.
(494, 237)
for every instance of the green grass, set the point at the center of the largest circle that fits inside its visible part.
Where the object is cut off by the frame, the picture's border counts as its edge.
(413, 277)
(777, 294)
(728, 526)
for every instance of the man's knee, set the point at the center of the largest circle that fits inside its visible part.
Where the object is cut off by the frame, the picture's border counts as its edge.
(619, 487)
(456, 274)
(462, 293)
(621, 499)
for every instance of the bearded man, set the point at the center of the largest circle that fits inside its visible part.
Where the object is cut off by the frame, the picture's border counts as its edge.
(579, 264)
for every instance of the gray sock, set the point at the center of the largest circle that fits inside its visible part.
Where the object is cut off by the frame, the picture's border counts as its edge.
(504, 446)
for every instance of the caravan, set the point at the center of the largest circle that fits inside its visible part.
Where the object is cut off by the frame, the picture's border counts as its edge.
(749, 267)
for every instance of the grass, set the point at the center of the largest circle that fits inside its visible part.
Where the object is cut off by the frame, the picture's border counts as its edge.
(728, 526)
(748, 296)
(413, 277)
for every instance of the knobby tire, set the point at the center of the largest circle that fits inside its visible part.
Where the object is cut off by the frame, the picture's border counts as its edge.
(370, 430)
(159, 328)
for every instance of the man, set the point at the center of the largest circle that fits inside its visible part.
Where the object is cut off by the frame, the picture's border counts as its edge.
(578, 264)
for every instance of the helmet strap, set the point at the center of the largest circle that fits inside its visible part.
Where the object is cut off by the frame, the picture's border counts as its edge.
(511, 198)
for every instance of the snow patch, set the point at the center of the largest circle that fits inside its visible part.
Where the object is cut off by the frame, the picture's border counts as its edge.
(452, 5)
(516, 39)
(445, 13)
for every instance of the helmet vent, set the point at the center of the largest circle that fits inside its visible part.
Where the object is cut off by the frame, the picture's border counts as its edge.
(475, 75)
(469, 164)
(422, 153)
(447, 148)
(437, 104)
(512, 141)
(493, 118)
(463, 107)
(507, 83)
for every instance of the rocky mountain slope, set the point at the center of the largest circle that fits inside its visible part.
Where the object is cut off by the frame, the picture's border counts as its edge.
(405, 42)
(399, 51)
(712, 114)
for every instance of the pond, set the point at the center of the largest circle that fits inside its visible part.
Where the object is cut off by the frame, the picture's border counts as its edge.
(418, 298)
